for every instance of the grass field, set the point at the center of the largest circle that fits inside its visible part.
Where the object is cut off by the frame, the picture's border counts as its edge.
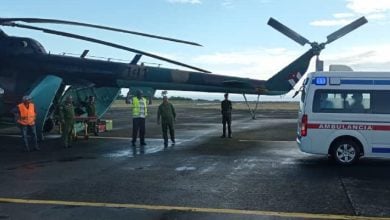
(217, 105)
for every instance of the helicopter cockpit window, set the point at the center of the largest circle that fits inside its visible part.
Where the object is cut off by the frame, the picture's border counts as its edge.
(38, 47)
(2, 34)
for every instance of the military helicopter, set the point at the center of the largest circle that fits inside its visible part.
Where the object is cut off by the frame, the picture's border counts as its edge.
(27, 69)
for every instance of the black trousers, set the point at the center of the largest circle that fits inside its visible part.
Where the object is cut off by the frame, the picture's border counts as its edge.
(227, 119)
(139, 125)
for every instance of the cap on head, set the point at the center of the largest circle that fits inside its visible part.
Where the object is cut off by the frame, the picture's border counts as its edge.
(26, 98)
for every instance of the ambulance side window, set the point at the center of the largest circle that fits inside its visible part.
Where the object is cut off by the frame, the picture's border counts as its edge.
(327, 101)
(358, 101)
(380, 102)
(342, 101)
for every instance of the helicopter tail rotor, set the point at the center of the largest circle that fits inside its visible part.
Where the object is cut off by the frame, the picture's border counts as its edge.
(316, 46)
(286, 79)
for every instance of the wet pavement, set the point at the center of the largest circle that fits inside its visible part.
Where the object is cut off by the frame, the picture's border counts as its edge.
(258, 174)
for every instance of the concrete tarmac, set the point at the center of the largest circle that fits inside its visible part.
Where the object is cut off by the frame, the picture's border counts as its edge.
(258, 174)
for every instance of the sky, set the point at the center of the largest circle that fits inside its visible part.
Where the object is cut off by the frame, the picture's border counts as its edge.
(234, 33)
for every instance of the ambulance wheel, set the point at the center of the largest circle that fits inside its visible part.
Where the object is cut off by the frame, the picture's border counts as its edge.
(345, 152)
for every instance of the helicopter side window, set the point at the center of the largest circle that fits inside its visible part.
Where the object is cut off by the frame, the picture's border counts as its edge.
(24, 43)
(24, 47)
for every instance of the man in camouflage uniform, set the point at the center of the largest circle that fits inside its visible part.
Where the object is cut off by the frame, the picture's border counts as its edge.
(167, 113)
(90, 108)
(67, 121)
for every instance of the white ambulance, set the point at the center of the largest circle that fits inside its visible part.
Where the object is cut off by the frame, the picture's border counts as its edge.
(345, 114)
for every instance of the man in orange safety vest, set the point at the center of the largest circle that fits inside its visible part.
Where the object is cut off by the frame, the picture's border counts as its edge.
(26, 115)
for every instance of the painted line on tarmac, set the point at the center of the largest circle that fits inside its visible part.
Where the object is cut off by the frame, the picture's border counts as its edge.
(19, 136)
(81, 137)
(58, 136)
(115, 138)
(10, 135)
(259, 140)
(120, 138)
(190, 209)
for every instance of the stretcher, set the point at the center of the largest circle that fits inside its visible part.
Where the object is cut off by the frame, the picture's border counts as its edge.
(88, 125)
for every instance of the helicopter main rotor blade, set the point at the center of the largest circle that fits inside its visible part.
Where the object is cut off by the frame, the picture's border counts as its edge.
(60, 33)
(55, 21)
(346, 29)
(288, 32)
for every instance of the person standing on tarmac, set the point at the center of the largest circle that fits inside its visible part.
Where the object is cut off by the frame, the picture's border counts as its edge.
(226, 111)
(90, 108)
(167, 113)
(67, 121)
(26, 115)
(139, 112)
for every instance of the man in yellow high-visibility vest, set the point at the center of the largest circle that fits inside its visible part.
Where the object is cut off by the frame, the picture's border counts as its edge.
(139, 112)
(26, 115)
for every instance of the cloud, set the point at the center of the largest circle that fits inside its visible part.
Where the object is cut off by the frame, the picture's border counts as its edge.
(227, 3)
(260, 63)
(331, 22)
(185, 1)
(341, 21)
(343, 15)
(362, 58)
(373, 10)
(368, 7)
(376, 16)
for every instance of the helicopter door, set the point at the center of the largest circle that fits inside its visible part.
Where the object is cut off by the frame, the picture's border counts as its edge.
(43, 99)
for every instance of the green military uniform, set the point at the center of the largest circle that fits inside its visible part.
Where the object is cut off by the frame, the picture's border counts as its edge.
(91, 109)
(67, 122)
(167, 113)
